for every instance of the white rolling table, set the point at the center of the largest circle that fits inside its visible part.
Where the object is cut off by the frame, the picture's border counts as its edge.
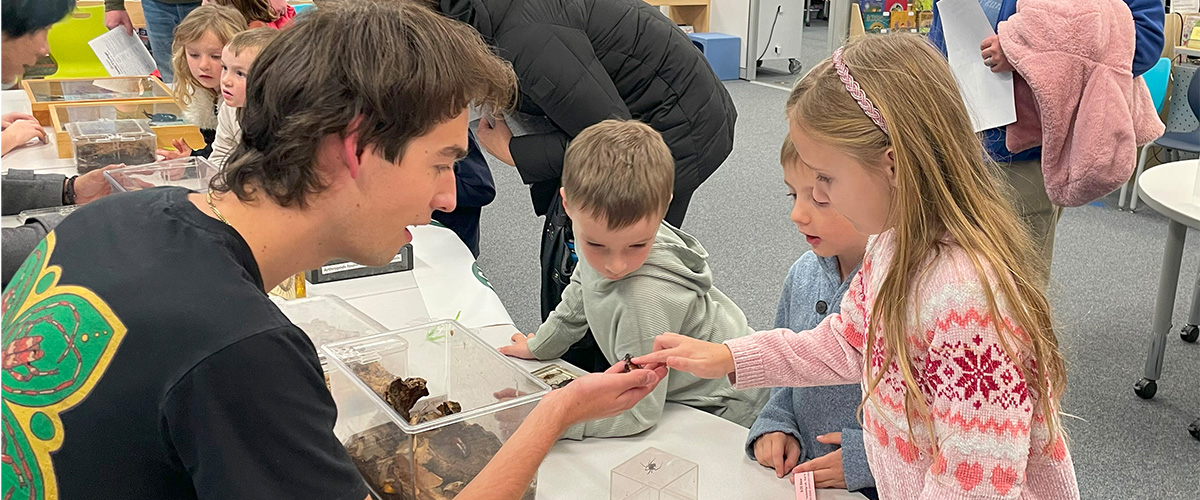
(1169, 190)
(444, 283)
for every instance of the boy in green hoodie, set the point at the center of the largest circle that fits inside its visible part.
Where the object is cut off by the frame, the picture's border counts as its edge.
(639, 277)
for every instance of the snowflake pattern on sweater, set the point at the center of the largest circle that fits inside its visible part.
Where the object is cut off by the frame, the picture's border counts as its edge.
(994, 443)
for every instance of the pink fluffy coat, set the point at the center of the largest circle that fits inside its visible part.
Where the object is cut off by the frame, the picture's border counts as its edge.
(1076, 95)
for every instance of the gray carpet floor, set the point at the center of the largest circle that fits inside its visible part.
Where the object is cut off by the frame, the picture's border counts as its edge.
(1105, 276)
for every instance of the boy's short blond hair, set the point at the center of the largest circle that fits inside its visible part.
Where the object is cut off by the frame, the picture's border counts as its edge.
(252, 39)
(620, 171)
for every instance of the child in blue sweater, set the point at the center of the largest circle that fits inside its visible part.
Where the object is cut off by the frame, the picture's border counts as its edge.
(814, 425)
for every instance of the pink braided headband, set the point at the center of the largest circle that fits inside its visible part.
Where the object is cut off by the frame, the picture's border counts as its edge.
(857, 92)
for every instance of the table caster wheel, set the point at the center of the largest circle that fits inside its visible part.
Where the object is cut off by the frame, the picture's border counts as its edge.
(1190, 333)
(794, 66)
(1194, 429)
(1145, 388)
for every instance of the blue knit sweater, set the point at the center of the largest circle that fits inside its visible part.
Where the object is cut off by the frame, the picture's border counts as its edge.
(813, 290)
(1148, 18)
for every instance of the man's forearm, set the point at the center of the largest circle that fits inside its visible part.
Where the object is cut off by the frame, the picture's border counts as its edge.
(510, 472)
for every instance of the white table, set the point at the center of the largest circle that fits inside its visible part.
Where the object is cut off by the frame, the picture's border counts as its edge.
(579, 470)
(1168, 189)
(445, 283)
(41, 157)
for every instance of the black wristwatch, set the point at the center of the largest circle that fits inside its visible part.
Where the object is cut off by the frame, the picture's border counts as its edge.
(69, 191)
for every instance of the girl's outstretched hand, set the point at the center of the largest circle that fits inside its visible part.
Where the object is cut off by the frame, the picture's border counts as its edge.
(683, 353)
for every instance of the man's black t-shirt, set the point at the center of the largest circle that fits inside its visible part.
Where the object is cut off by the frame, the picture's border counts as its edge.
(143, 360)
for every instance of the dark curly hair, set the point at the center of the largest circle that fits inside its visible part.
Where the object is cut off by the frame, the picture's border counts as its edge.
(398, 68)
(22, 17)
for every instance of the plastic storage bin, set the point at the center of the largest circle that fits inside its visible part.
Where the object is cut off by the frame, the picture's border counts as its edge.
(433, 459)
(166, 120)
(655, 475)
(326, 318)
(29, 214)
(105, 142)
(192, 172)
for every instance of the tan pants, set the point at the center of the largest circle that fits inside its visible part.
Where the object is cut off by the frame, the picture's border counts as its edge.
(1033, 205)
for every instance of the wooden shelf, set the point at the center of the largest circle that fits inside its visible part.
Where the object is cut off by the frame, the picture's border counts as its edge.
(690, 12)
(1187, 51)
(677, 3)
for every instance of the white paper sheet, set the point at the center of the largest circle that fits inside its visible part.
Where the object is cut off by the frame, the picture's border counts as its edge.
(1185, 6)
(989, 96)
(122, 54)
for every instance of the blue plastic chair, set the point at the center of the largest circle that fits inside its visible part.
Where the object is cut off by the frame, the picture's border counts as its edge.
(1157, 79)
(1184, 140)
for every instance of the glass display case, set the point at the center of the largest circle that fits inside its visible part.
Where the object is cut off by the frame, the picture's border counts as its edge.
(100, 143)
(192, 172)
(426, 408)
(43, 93)
(165, 117)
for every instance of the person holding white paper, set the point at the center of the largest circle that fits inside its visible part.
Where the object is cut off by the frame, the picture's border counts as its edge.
(1023, 170)
(162, 16)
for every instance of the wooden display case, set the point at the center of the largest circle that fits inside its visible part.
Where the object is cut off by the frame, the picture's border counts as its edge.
(151, 109)
(43, 93)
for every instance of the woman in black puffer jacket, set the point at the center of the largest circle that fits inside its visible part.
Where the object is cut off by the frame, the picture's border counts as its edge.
(580, 62)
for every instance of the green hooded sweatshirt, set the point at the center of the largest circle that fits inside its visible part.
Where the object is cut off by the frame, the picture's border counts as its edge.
(671, 292)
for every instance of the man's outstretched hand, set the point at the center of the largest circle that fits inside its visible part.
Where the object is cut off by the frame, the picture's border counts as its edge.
(602, 395)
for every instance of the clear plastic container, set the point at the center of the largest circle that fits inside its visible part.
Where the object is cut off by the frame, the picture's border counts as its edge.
(192, 172)
(64, 211)
(166, 119)
(101, 143)
(326, 318)
(654, 474)
(403, 459)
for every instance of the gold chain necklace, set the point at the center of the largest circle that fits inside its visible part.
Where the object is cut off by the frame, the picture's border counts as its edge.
(211, 206)
(291, 288)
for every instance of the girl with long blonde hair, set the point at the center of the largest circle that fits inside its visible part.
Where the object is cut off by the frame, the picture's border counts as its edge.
(946, 325)
(196, 59)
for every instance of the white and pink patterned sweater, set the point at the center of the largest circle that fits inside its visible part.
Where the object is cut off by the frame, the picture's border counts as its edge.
(993, 440)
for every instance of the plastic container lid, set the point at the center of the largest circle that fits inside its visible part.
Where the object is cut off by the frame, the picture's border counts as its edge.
(326, 318)
(28, 214)
(101, 131)
(192, 172)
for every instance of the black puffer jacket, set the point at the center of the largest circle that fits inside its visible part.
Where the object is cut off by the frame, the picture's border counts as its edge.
(580, 62)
